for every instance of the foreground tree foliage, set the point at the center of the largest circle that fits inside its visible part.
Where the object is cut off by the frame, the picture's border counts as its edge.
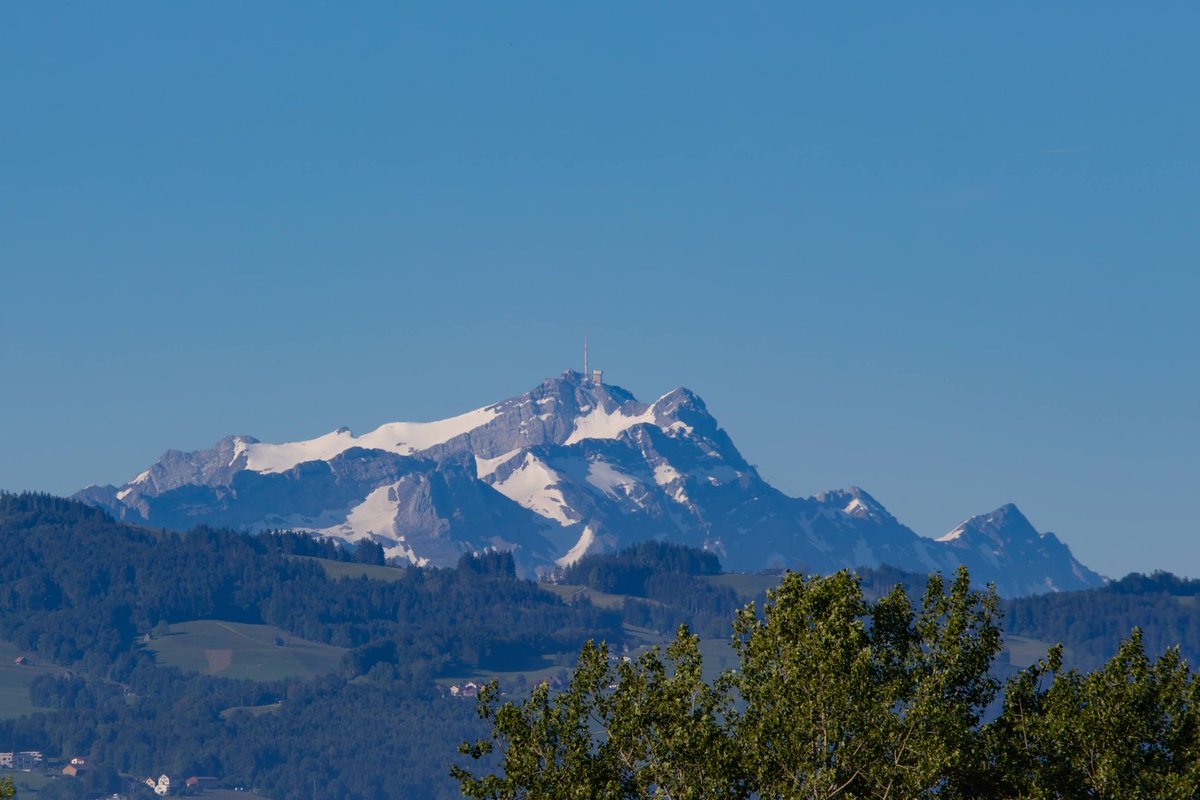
(841, 697)
(1128, 730)
(845, 698)
(645, 728)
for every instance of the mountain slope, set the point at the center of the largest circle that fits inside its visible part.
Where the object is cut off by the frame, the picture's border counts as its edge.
(572, 466)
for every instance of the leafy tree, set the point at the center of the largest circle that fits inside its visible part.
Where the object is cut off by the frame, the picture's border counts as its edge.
(649, 728)
(846, 698)
(7, 791)
(841, 697)
(1129, 730)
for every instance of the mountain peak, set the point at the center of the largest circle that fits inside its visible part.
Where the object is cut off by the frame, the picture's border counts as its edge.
(855, 502)
(1004, 521)
(574, 465)
(570, 381)
(1005, 536)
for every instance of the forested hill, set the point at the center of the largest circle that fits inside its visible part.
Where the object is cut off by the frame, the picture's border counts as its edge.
(1093, 622)
(80, 590)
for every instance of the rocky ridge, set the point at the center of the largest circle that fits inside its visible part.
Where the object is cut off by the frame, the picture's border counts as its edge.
(571, 467)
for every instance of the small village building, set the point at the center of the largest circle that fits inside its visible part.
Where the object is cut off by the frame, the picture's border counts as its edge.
(161, 787)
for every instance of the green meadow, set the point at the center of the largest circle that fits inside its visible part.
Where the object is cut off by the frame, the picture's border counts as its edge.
(242, 650)
(350, 569)
(15, 680)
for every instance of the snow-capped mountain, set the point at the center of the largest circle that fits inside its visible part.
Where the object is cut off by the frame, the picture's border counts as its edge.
(573, 466)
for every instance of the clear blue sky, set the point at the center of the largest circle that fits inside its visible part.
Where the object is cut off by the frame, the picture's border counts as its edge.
(945, 252)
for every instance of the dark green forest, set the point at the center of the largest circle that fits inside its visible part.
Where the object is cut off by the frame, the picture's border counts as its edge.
(664, 587)
(81, 590)
(1093, 623)
(84, 592)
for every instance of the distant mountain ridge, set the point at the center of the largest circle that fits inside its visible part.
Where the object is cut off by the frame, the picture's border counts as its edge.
(571, 467)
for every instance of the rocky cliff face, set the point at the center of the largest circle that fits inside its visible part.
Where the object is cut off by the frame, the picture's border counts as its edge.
(567, 468)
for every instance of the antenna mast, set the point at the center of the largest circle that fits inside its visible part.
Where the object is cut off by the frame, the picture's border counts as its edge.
(594, 377)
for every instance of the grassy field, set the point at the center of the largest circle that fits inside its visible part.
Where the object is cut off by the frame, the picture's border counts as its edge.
(240, 650)
(348, 569)
(230, 794)
(509, 679)
(29, 784)
(717, 653)
(748, 585)
(599, 599)
(640, 639)
(15, 680)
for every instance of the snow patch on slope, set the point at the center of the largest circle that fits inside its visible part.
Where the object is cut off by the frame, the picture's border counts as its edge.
(954, 534)
(534, 485)
(403, 438)
(609, 479)
(579, 550)
(374, 515)
(142, 477)
(601, 424)
(664, 474)
(374, 519)
(484, 467)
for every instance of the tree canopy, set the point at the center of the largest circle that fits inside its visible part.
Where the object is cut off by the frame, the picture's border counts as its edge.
(837, 696)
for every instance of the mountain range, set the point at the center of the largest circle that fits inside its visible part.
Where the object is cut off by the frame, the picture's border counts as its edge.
(573, 466)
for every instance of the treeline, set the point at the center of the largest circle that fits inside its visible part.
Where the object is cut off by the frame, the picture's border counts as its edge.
(1093, 623)
(79, 588)
(664, 584)
(627, 571)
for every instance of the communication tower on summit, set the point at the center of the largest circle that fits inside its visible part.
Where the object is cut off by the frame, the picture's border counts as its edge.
(596, 376)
